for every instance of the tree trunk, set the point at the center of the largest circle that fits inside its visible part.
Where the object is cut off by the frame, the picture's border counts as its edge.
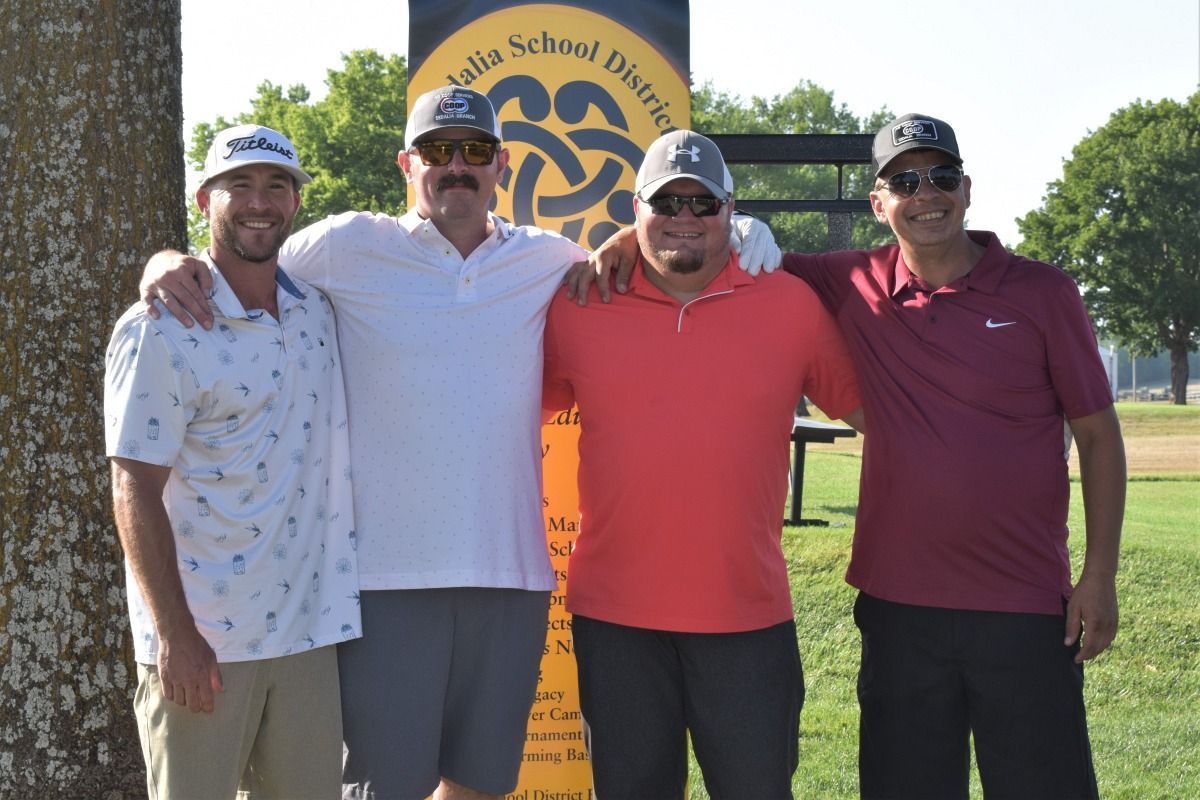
(91, 182)
(1179, 371)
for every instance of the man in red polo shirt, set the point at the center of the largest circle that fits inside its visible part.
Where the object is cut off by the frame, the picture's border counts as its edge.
(969, 360)
(682, 611)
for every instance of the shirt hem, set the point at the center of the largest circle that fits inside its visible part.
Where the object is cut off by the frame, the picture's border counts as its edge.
(686, 625)
(232, 658)
(543, 583)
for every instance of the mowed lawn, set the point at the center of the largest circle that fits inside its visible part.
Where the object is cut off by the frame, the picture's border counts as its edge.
(1143, 694)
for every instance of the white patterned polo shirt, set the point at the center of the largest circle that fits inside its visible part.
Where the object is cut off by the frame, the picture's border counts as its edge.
(251, 417)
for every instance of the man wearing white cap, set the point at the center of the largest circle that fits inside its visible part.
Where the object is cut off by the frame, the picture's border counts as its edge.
(231, 490)
(682, 612)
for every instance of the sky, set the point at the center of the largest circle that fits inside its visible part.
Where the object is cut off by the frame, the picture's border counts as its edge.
(1021, 81)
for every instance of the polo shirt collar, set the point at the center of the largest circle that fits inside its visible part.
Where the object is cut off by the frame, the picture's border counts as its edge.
(729, 278)
(412, 222)
(984, 277)
(223, 301)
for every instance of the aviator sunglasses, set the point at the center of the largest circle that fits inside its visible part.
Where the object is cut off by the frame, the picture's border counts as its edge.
(945, 177)
(672, 204)
(440, 152)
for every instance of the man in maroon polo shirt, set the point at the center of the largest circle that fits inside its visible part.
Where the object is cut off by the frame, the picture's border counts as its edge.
(969, 360)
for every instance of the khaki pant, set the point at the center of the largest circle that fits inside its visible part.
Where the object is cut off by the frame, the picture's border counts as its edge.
(275, 732)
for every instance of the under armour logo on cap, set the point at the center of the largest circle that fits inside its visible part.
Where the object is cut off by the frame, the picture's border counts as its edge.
(692, 153)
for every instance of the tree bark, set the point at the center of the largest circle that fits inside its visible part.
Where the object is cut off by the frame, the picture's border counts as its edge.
(91, 182)
(1180, 371)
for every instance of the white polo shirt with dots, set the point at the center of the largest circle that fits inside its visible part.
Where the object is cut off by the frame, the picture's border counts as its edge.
(251, 418)
(443, 360)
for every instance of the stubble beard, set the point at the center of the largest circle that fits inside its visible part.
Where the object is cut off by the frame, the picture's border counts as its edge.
(225, 233)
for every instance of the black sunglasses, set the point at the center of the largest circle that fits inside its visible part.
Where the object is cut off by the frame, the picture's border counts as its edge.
(946, 177)
(440, 152)
(671, 204)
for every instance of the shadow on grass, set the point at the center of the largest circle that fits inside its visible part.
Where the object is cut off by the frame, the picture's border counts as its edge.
(849, 511)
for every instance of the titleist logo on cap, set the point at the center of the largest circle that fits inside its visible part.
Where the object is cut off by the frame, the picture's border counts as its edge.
(914, 129)
(259, 143)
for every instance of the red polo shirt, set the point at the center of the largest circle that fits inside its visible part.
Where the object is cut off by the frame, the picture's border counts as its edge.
(964, 492)
(685, 417)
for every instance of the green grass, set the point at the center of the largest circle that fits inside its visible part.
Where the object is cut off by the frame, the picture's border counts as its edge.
(1157, 419)
(1143, 694)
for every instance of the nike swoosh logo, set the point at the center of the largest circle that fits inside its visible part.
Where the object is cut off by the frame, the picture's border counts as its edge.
(991, 324)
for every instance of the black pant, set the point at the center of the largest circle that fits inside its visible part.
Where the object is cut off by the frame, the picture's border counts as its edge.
(738, 694)
(931, 677)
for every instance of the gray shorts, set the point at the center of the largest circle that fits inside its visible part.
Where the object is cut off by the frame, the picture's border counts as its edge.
(440, 686)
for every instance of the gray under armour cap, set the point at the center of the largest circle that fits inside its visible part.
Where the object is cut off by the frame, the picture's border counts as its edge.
(683, 154)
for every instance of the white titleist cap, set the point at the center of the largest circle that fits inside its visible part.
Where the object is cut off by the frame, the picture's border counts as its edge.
(244, 145)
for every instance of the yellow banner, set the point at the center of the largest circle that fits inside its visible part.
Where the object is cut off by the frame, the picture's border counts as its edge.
(579, 97)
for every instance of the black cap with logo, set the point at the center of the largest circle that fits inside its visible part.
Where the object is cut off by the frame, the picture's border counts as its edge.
(912, 132)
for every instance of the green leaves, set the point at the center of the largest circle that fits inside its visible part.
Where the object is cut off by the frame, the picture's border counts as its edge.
(1124, 221)
(805, 109)
(347, 141)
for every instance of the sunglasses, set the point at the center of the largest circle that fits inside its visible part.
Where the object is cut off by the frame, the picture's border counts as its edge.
(672, 204)
(945, 177)
(440, 152)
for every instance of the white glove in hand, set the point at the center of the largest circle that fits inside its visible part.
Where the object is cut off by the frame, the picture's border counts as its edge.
(755, 245)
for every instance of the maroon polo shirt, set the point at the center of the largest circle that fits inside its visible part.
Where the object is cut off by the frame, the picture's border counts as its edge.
(964, 492)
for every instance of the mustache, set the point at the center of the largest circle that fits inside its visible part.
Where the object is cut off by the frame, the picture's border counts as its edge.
(462, 179)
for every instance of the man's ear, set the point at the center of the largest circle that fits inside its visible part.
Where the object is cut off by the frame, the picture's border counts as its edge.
(967, 190)
(202, 201)
(404, 161)
(877, 208)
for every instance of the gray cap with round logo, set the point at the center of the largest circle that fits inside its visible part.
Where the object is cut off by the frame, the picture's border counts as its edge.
(451, 107)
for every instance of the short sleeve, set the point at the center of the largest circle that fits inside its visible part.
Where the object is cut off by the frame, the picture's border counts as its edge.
(149, 395)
